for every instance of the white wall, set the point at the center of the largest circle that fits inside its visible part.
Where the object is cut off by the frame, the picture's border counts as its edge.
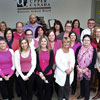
(60, 9)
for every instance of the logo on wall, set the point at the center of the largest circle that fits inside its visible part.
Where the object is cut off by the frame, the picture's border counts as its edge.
(24, 6)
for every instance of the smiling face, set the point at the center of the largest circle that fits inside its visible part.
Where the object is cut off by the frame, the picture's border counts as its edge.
(73, 37)
(40, 32)
(43, 43)
(86, 41)
(91, 24)
(3, 45)
(97, 33)
(76, 24)
(57, 27)
(51, 36)
(9, 35)
(32, 19)
(24, 45)
(68, 27)
(29, 35)
(3, 27)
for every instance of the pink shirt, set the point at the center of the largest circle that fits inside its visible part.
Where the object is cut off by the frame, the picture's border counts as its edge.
(25, 63)
(17, 36)
(57, 46)
(6, 63)
(75, 46)
(44, 58)
(77, 31)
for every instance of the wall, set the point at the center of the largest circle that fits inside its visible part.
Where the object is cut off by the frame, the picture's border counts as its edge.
(60, 9)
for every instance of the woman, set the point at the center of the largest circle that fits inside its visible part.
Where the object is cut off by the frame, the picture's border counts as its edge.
(85, 60)
(29, 36)
(97, 96)
(96, 37)
(38, 33)
(12, 43)
(44, 74)
(3, 27)
(76, 27)
(58, 28)
(68, 28)
(25, 62)
(7, 68)
(64, 72)
(74, 45)
(54, 44)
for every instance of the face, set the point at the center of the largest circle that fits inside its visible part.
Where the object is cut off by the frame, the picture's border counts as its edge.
(9, 35)
(40, 32)
(3, 45)
(98, 33)
(76, 24)
(68, 27)
(51, 36)
(66, 44)
(73, 37)
(43, 43)
(57, 27)
(24, 44)
(19, 28)
(86, 41)
(32, 19)
(29, 36)
(2, 27)
(91, 24)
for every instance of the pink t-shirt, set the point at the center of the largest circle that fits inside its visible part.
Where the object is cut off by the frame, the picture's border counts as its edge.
(25, 63)
(6, 63)
(44, 58)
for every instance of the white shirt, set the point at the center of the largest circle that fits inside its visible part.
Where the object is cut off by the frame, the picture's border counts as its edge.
(18, 66)
(64, 61)
(86, 31)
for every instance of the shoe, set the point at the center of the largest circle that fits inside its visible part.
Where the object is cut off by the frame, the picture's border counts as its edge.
(97, 96)
(79, 97)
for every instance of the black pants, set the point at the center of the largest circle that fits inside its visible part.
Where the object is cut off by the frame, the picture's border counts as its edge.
(85, 88)
(63, 91)
(98, 81)
(6, 88)
(45, 90)
(74, 84)
(26, 87)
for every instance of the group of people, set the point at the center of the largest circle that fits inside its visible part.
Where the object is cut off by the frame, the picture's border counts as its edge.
(44, 59)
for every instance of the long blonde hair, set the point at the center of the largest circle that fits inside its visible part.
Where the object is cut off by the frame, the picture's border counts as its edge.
(43, 37)
(94, 31)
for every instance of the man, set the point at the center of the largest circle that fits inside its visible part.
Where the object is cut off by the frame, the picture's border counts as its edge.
(33, 24)
(19, 30)
(89, 30)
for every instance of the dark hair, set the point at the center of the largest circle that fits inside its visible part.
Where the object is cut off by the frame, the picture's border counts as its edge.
(68, 22)
(36, 32)
(75, 35)
(19, 22)
(2, 39)
(57, 22)
(5, 33)
(21, 39)
(91, 19)
(74, 22)
(28, 30)
(87, 36)
(51, 30)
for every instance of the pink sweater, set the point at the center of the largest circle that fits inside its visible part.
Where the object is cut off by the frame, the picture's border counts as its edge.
(25, 63)
(6, 63)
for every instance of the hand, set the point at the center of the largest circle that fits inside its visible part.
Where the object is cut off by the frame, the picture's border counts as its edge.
(7, 78)
(54, 67)
(43, 78)
(85, 70)
(79, 69)
(98, 70)
(68, 71)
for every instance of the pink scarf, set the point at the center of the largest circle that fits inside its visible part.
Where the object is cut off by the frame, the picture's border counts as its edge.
(84, 60)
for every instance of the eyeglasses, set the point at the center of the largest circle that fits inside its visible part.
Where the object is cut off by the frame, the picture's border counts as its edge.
(29, 34)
